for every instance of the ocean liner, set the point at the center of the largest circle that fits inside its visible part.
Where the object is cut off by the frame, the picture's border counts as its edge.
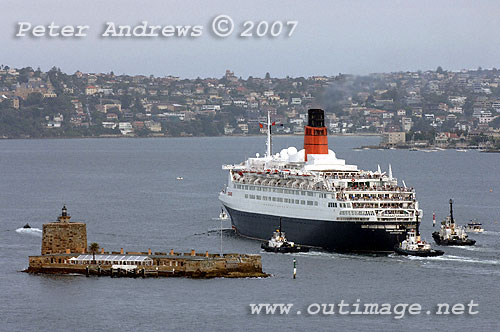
(322, 201)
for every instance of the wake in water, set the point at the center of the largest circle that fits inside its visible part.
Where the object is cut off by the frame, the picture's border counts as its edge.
(30, 231)
(452, 258)
(476, 248)
(491, 233)
(316, 252)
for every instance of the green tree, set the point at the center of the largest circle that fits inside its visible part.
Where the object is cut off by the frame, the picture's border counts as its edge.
(34, 98)
(93, 248)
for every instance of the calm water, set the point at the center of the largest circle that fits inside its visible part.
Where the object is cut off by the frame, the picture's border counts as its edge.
(127, 193)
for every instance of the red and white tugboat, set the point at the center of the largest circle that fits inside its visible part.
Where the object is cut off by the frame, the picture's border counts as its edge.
(415, 246)
(450, 234)
(279, 243)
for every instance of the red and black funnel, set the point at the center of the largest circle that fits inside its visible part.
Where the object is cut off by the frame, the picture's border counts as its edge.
(315, 136)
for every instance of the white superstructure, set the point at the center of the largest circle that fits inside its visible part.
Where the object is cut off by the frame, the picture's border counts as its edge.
(324, 188)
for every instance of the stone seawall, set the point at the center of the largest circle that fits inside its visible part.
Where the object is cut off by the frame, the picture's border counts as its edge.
(177, 265)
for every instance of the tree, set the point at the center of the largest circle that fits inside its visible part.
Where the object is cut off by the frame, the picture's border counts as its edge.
(495, 123)
(24, 74)
(370, 100)
(439, 70)
(126, 101)
(93, 248)
(34, 98)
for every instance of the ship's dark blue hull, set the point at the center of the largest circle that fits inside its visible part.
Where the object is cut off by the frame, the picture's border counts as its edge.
(351, 236)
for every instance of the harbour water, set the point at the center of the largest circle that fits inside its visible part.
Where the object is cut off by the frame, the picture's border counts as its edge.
(127, 192)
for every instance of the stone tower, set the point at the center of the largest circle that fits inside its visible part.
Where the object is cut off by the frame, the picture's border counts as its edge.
(62, 236)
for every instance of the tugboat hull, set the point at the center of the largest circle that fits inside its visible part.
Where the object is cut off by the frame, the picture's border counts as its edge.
(420, 253)
(283, 249)
(443, 242)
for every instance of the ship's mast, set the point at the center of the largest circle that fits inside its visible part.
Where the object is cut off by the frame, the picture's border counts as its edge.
(417, 226)
(451, 211)
(269, 142)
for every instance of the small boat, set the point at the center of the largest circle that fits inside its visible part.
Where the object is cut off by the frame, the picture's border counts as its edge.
(180, 178)
(223, 215)
(415, 246)
(27, 226)
(475, 227)
(450, 234)
(461, 150)
(278, 243)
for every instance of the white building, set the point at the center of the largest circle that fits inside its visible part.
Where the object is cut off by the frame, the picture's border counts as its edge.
(125, 128)
(406, 123)
(109, 125)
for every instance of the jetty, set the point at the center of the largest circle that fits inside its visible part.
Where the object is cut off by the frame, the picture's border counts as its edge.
(65, 251)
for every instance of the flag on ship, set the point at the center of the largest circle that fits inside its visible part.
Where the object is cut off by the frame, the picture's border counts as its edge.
(272, 124)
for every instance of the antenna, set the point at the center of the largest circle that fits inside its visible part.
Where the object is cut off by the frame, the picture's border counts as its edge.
(269, 142)
(220, 237)
(451, 211)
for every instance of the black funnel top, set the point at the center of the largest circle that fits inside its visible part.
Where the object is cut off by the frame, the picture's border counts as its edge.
(316, 117)
(451, 211)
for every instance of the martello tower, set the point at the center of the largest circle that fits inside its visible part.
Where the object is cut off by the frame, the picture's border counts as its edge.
(62, 236)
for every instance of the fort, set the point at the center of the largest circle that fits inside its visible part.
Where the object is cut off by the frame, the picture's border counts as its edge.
(65, 251)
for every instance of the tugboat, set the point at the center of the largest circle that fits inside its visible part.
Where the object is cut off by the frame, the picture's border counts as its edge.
(27, 226)
(279, 243)
(450, 234)
(474, 226)
(414, 246)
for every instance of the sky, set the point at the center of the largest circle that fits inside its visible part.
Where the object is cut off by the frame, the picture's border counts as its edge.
(331, 37)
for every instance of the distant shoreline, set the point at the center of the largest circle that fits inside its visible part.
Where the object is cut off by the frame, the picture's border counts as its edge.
(133, 137)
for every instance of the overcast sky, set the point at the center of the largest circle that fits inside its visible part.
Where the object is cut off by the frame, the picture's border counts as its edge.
(332, 36)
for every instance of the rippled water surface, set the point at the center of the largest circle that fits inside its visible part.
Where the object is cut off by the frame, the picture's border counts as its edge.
(127, 193)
